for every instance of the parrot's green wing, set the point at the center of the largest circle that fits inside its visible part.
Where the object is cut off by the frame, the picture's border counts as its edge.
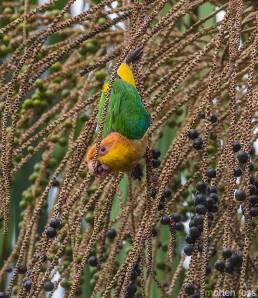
(126, 113)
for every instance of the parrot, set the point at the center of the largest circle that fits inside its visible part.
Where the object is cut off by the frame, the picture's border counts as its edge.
(124, 138)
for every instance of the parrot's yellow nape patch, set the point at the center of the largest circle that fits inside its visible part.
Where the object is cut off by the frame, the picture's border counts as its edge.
(126, 74)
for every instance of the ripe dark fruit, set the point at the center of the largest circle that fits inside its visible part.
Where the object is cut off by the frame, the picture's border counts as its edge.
(200, 199)
(131, 288)
(201, 186)
(188, 250)
(237, 172)
(27, 284)
(236, 146)
(156, 163)
(214, 196)
(22, 269)
(194, 232)
(253, 199)
(220, 265)
(198, 143)
(176, 217)
(242, 157)
(192, 134)
(93, 261)
(155, 153)
(189, 289)
(236, 259)
(201, 115)
(54, 223)
(212, 189)
(137, 172)
(51, 232)
(229, 268)
(111, 234)
(198, 219)
(167, 192)
(179, 226)
(211, 173)
(254, 211)
(189, 239)
(213, 118)
(165, 220)
(200, 209)
(48, 286)
(226, 253)
(240, 195)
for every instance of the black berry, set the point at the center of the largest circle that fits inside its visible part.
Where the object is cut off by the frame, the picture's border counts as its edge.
(188, 250)
(165, 220)
(200, 209)
(213, 118)
(155, 153)
(93, 261)
(51, 232)
(201, 186)
(192, 134)
(226, 253)
(189, 289)
(27, 284)
(176, 217)
(167, 192)
(137, 172)
(211, 173)
(194, 232)
(48, 286)
(236, 259)
(22, 269)
(156, 163)
(198, 143)
(237, 172)
(242, 156)
(236, 146)
(220, 265)
(254, 211)
(240, 195)
(179, 226)
(54, 223)
(253, 199)
(200, 199)
(111, 233)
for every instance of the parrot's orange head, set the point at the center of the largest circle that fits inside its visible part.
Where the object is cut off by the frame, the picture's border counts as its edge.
(116, 154)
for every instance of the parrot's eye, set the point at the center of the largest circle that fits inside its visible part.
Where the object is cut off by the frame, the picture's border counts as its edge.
(102, 150)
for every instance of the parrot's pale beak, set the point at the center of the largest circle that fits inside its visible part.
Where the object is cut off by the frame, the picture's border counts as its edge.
(98, 169)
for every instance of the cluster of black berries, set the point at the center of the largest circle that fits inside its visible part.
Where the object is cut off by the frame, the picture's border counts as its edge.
(191, 290)
(240, 195)
(48, 285)
(165, 196)
(231, 262)
(53, 226)
(174, 219)
(155, 158)
(132, 288)
(205, 200)
(197, 141)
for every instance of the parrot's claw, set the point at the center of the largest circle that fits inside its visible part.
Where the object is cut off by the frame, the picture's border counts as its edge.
(134, 55)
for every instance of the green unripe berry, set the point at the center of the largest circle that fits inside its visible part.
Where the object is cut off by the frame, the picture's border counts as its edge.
(56, 66)
(68, 123)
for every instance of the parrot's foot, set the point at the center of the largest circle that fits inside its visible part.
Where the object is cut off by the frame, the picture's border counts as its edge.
(134, 55)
